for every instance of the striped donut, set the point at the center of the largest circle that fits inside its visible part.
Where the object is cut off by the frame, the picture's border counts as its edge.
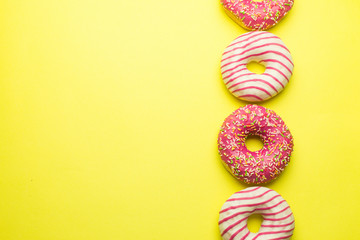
(264, 48)
(278, 219)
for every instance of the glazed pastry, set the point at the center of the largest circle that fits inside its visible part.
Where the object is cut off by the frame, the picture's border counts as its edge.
(257, 14)
(278, 219)
(260, 166)
(264, 48)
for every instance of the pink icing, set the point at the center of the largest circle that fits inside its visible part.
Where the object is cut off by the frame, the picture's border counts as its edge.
(263, 165)
(258, 14)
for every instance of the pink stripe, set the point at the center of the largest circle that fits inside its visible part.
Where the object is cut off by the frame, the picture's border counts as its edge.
(279, 72)
(250, 95)
(278, 225)
(237, 232)
(239, 213)
(277, 219)
(255, 80)
(230, 69)
(249, 205)
(249, 198)
(242, 75)
(255, 41)
(267, 74)
(275, 213)
(267, 208)
(258, 88)
(254, 35)
(258, 209)
(272, 232)
(244, 35)
(274, 60)
(250, 49)
(234, 215)
(244, 237)
(259, 54)
(234, 73)
(251, 190)
(233, 225)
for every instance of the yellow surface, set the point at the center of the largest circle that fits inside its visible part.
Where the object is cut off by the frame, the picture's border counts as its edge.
(110, 112)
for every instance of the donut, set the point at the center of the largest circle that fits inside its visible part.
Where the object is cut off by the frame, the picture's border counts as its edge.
(264, 48)
(278, 219)
(257, 14)
(260, 166)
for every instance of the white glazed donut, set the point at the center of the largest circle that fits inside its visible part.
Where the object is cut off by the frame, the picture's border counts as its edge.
(264, 48)
(278, 218)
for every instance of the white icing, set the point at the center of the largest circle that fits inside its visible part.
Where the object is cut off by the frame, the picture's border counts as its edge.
(271, 52)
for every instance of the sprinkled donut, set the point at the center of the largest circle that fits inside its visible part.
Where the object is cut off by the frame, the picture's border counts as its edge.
(278, 219)
(257, 14)
(264, 48)
(260, 166)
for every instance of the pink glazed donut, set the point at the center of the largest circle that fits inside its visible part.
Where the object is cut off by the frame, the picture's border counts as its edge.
(261, 166)
(257, 14)
(278, 219)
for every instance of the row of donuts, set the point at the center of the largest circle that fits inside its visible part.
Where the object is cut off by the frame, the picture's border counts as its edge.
(266, 164)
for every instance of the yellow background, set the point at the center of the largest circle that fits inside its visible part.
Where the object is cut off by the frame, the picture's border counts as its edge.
(110, 112)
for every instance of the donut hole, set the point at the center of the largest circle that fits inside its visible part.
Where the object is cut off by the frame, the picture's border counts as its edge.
(254, 143)
(256, 67)
(254, 223)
